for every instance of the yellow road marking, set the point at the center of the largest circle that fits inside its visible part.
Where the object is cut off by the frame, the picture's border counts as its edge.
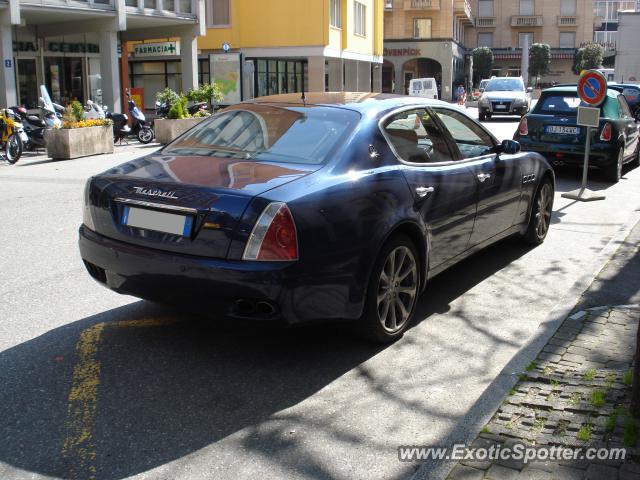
(82, 403)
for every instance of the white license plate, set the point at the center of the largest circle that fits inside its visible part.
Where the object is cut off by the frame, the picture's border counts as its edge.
(500, 107)
(158, 221)
(561, 130)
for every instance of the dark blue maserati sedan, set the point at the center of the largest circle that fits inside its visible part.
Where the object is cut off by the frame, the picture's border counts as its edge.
(331, 206)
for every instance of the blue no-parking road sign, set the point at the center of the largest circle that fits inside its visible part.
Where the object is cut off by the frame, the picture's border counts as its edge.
(592, 88)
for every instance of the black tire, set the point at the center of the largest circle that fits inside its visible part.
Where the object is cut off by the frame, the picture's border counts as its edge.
(613, 171)
(145, 135)
(540, 218)
(488, 116)
(636, 157)
(13, 149)
(386, 300)
(481, 116)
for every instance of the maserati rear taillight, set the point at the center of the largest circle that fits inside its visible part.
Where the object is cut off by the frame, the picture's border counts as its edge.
(605, 136)
(523, 128)
(274, 236)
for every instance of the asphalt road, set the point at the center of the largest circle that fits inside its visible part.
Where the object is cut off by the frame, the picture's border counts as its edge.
(94, 384)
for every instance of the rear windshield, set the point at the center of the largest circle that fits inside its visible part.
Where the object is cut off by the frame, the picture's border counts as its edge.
(505, 85)
(561, 103)
(275, 133)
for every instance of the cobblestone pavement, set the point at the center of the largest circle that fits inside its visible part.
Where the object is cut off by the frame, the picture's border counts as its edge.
(575, 394)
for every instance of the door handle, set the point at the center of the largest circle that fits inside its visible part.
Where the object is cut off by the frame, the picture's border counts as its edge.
(424, 191)
(483, 176)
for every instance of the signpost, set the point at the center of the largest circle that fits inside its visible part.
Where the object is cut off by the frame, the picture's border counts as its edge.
(592, 89)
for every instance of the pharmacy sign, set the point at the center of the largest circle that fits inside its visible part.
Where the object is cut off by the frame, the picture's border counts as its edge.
(157, 49)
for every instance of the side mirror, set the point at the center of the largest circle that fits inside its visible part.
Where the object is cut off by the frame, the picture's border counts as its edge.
(529, 89)
(508, 147)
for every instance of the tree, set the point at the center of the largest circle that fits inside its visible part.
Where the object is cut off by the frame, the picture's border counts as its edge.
(588, 58)
(482, 63)
(539, 59)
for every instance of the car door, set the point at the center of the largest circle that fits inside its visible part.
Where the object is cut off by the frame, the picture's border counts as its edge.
(444, 190)
(630, 127)
(499, 179)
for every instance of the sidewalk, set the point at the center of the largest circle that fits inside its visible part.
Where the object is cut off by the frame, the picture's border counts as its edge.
(577, 391)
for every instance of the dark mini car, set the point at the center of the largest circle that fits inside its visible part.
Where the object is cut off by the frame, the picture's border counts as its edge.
(328, 207)
(551, 129)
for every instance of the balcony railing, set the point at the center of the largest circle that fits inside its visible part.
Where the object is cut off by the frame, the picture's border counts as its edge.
(485, 22)
(526, 21)
(180, 7)
(463, 8)
(568, 21)
(93, 4)
(422, 4)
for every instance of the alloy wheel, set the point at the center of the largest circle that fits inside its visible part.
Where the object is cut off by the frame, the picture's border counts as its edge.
(543, 210)
(397, 289)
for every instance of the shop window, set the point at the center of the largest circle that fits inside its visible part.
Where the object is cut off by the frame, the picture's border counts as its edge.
(217, 13)
(336, 13)
(567, 39)
(421, 28)
(203, 71)
(275, 76)
(360, 19)
(524, 35)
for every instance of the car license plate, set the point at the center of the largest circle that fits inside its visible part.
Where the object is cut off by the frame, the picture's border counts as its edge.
(561, 130)
(158, 221)
(500, 107)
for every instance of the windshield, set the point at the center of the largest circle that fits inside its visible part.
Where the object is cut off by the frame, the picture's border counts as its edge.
(559, 103)
(505, 85)
(269, 133)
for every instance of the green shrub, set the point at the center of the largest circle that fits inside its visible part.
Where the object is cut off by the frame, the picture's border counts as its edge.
(179, 109)
(207, 92)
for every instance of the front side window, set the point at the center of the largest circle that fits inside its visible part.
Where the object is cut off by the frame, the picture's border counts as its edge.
(471, 139)
(336, 14)
(485, 8)
(568, 8)
(268, 133)
(567, 39)
(527, 7)
(422, 28)
(360, 27)
(217, 13)
(416, 138)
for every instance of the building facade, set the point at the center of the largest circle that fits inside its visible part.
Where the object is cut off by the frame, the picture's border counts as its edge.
(606, 13)
(627, 57)
(503, 25)
(73, 46)
(425, 38)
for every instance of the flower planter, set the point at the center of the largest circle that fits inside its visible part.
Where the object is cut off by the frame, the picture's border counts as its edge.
(67, 143)
(167, 130)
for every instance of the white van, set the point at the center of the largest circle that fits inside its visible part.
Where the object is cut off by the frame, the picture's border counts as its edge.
(423, 87)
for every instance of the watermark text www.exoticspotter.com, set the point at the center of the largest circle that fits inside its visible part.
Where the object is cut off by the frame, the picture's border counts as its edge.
(517, 451)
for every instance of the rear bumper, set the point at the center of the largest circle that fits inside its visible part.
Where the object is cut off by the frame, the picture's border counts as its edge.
(277, 291)
(559, 154)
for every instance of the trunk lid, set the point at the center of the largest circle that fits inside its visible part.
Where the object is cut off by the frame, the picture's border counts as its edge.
(187, 205)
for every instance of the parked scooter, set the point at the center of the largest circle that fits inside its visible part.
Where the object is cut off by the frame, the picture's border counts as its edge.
(51, 112)
(140, 128)
(10, 142)
(93, 111)
(33, 126)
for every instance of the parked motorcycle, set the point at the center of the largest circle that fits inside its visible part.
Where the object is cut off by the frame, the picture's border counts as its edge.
(93, 111)
(34, 128)
(10, 141)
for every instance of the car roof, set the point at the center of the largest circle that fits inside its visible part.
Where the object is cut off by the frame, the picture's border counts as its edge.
(357, 101)
(574, 89)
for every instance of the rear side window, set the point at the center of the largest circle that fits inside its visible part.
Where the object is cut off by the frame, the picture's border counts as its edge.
(610, 108)
(558, 104)
(269, 133)
(416, 138)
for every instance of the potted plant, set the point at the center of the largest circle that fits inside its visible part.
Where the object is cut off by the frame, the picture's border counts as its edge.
(78, 137)
(178, 120)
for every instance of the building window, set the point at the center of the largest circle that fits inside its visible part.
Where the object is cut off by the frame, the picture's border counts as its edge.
(527, 7)
(218, 13)
(568, 8)
(421, 28)
(485, 8)
(567, 39)
(360, 19)
(203, 71)
(336, 14)
(485, 39)
(274, 76)
(522, 36)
